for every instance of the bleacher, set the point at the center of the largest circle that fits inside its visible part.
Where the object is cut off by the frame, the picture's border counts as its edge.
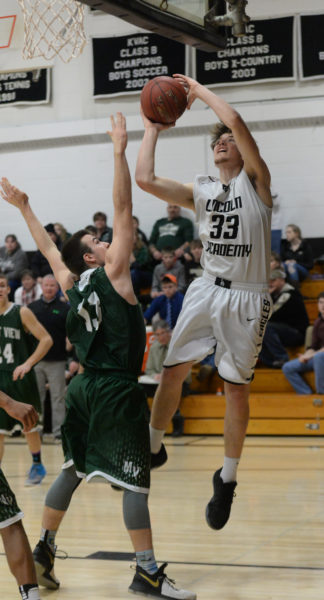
(275, 408)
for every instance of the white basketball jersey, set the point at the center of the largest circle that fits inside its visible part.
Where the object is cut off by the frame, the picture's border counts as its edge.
(235, 229)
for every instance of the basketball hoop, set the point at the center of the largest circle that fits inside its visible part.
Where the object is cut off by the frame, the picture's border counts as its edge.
(53, 28)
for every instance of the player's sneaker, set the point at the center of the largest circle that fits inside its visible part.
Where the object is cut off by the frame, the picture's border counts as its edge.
(44, 564)
(219, 506)
(157, 460)
(36, 474)
(157, 585)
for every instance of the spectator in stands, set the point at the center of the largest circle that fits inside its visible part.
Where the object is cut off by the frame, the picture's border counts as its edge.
(169, 304)
(39, 265)
(275, 261)
(192, 264)
(287, 324)
(154, 365)
(173, 231)
(52, 313)
(169, 264)
(140, 265)
(296, 255)
(311, 360)
(61, 232)
(104, 233)
(29, 291)
(141, 233)
(13, 260)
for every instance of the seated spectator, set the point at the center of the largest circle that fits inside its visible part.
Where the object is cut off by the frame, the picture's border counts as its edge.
(311, 360)
(192, 265)
(168, 305)
(140, 233)
(169, 264)
(173, 231)
(29, 291)
(61, 232)
(287, 324)
(13, 260)
(275, 261)
(39, 265)
(103, 232)
(154, 367)
(140, 265)
(296, 255)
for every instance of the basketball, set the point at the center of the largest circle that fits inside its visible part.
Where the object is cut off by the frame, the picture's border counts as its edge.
(163, 100)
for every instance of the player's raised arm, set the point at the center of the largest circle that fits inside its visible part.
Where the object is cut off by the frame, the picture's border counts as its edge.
(166, 189)
(18, 198)
(254, 165)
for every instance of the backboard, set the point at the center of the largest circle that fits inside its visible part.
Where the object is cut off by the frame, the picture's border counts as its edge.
(180, 20)
(12, 40)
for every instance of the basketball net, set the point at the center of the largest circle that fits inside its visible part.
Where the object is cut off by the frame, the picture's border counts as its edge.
(53, 28)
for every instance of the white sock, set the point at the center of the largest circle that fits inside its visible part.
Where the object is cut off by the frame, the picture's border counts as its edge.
(156, 437)
(229, 470)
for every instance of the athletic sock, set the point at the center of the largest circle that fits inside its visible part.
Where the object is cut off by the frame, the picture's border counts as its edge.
(48, 536)
(36, 458)
(229, 470)
(29, 591)
(146, 560)
(156, 437)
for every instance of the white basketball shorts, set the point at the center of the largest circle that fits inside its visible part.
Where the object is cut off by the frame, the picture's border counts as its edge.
(233, 320)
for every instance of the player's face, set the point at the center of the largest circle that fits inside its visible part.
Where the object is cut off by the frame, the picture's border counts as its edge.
(98, 250)
(225, 150)
(4, 290)
(321, 307)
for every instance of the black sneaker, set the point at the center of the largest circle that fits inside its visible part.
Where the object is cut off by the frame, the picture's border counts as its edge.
(157, 585)
(219, 506)
(157, 460)
(44, 565)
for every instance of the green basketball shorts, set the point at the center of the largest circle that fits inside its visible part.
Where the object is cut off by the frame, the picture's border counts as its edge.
(105, 432)
(9, 509)
(22, 390)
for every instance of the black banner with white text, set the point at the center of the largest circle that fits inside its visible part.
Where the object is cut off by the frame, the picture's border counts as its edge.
(311, 46)
(265, 53)
(123, 65)
(25, 87)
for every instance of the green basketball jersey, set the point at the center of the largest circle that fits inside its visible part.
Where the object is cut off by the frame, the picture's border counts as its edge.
(15, 342)
(107, 331)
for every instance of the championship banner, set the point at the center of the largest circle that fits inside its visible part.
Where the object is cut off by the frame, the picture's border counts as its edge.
(25, 87)
(311, 46)
(265, 53)
(123, 65)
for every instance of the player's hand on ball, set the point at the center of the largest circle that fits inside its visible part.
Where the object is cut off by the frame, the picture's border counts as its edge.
(158, 126)
(12, 195)
(191, 86)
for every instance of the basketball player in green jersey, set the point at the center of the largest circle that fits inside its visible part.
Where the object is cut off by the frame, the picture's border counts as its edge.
(16, 545)
(105, 431)
(17, 377)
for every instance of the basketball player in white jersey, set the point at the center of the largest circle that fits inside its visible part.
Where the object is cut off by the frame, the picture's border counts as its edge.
(228, 307)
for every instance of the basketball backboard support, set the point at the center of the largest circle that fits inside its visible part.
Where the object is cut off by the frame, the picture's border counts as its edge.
(12, 40)
(180, 20)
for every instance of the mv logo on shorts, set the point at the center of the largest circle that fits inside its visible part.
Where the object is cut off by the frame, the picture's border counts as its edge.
(131, 469)
(6, 500)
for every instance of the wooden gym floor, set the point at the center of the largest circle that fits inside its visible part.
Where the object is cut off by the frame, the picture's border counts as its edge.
(272, 547)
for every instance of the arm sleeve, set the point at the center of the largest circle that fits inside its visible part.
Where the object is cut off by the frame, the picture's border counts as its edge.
(155, 234)
(152, 309)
